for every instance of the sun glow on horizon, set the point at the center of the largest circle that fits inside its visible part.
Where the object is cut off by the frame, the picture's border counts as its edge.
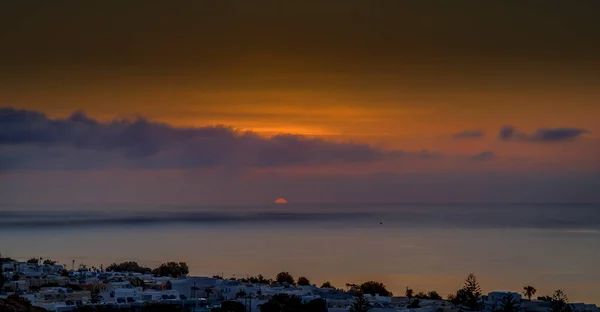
(280, 201)
(273, 131)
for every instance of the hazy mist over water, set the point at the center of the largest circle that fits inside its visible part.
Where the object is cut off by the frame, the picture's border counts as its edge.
(424, 246)
(558, 216)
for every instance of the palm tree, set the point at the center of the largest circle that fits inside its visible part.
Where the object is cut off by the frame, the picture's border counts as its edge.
(529, 291)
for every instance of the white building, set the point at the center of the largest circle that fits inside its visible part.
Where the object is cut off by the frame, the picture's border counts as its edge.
(582, 307)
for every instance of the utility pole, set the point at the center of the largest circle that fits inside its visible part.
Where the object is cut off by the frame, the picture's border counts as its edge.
(248, 303)
(195, 297)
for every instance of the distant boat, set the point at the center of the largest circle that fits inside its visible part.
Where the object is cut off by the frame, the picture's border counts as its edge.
(280, 201)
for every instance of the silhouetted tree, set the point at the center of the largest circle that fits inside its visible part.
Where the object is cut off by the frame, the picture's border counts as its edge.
(421, 295)
(21, 300)
(315, 305)
(208, 291)
(360, 304)
(174, 269)
(33, 261)
(470, 295)
(415, 304)
(433, 295)
(95, 295)
(529, 291)
(261, 280)
(137, 282)
(303, 281)
(373, 288)
(544, 298)
(6, 259)
(255, 280)
(409, 293)
(241, 294)
(285, 277)
(327, 285)
(49, 262)
(560, 302)
(451, 298)
(128, 266)
(352, 287)
(270, 306)
(509, 303)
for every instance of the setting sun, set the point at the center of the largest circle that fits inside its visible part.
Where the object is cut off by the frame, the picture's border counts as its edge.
(281, 201)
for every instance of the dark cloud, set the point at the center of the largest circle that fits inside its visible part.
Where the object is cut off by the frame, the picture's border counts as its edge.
(28, 137)
(469, 134)
(483, 156)
(509, 133)
(557, 134)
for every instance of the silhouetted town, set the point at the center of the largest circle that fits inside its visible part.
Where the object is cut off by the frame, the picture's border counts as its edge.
(131, 287)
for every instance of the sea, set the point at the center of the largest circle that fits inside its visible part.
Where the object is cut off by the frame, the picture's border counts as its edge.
(421, 246)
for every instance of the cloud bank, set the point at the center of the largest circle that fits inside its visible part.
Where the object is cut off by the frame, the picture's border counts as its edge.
(32, 140)
(542, 135)
(29, 135)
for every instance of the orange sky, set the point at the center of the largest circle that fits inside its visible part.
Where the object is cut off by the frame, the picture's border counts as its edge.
(410, 120)
(377, 74)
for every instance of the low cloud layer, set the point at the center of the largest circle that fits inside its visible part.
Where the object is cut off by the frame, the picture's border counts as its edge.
(468, 134)
(31, 140)
(24, 134)
(542, 135)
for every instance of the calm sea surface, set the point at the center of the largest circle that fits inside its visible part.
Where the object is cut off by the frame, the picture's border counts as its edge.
(425, 247)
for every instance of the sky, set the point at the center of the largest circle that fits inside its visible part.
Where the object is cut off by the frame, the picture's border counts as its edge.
(337, 101)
